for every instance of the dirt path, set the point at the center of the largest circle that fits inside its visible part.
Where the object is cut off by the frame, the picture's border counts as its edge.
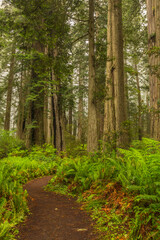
(54, 217)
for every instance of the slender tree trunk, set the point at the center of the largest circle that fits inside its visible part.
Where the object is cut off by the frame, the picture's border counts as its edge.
(74, 128)
(9, 90)
(46, 116)
(80, 108)
(58, 118)
(21, 107)
(148, 115)
(92, 141)
(71, 110)
(139, 105)
(70, 120)
(100, 83)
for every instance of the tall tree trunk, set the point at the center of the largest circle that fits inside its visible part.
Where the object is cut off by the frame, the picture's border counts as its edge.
(46, 116)
(92, 141)
(71, 109)
(9, 90)
(21, 107)
(35, 112)
(139, 105)
(148, 115)
(100, 82)
(153, 12)
(80, 109)
(109, 109)
(118, 72)
(48, 126)
(58, 118)
(115, 106)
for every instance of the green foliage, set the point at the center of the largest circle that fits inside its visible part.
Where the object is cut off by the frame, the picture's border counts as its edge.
(8, 143)
(15, 171)
(138, 172)
(82, 172)
(45, 153)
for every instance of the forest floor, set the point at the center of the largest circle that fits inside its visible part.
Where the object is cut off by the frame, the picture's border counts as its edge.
(54, 216)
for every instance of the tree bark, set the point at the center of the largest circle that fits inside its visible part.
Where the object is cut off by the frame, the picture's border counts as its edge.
(21, 107)
(109, 109)
(80, 109)
(139, 105)
(153, 12)
(9, 90)
(58, 118)
(35, 112)
(71, 111)
(115, 105)
(92, 141)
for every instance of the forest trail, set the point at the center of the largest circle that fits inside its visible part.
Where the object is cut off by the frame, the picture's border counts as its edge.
(53, 216)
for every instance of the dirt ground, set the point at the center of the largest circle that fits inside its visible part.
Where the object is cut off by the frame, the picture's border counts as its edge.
(53, 216)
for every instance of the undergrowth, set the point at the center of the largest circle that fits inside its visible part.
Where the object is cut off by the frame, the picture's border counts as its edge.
(14, 172)
(121, 190)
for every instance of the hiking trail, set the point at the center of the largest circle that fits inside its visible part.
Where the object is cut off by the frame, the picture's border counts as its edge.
(54, 216)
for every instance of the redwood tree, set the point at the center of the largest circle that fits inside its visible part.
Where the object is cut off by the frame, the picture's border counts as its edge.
(153, 12)
(115, 106)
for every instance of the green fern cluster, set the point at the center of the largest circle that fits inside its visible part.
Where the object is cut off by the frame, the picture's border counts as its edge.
(82, 172)
(138, 170)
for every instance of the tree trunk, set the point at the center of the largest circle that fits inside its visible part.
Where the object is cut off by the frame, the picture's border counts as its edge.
(92, 141)
(80, 109)
(35, 112)
(58, 118)
(115, 106)
(21, 107)
(9, 90)
(109, 109)
(139, 105)
(118, 72)
(153, 12)
(71, 110)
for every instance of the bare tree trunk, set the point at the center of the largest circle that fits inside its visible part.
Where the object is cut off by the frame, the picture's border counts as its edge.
(35, 111)
(139, 105)
(115, 105)
(46, 116)
(99, 84)
(70, 120)
(71, 110)
(148, 115)
(118, 72)
(80, 109)
(21, 107)
(9, 90)
(109, 109)
(153, 12)
(58, 118)
(92, 141)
